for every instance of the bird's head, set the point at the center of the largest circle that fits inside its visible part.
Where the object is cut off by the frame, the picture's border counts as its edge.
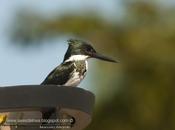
(81, 50)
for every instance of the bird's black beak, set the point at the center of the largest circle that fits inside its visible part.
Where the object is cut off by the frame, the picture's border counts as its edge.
(102, 57)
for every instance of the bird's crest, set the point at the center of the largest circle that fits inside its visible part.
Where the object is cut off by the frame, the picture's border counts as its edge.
(72, 41)
(76, 42)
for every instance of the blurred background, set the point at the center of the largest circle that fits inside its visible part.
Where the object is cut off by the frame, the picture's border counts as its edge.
(136, 94)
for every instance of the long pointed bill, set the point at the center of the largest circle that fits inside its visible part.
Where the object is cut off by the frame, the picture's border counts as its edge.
(102, 57)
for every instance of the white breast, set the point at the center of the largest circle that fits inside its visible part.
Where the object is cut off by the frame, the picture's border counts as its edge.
(76, 78)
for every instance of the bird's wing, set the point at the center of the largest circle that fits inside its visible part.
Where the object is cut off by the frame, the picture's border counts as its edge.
(60, 74)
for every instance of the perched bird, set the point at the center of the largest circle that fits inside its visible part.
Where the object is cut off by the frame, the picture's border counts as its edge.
(74, 67)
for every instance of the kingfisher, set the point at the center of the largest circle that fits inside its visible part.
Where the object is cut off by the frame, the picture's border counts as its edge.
(74, 67)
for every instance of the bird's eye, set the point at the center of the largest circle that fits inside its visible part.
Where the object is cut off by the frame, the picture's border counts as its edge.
(90, 50)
